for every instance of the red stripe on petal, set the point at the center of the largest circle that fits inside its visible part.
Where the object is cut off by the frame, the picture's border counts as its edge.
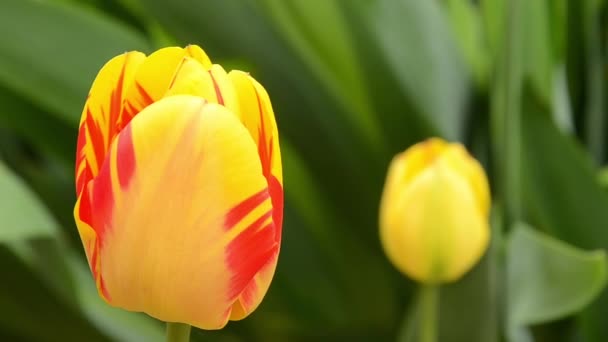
(97, 139)
(102, 200)
(125, 158)
(116, 102)
(249, 252)
(238, 212)
(276, 196)
(103, 289)
(148, 100)
(248, 295)
(264, 147)
(218, 92)
(85, 213)
(177, 71)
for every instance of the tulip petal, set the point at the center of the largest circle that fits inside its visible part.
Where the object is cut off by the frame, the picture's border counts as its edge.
(432, 230)
(468, 167)
(99, 122)
(182, 214)
(211, 84)
(98, 127)
(156, 75)
(255, 111)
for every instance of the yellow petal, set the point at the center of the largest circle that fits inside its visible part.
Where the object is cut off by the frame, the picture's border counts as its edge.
(99, 122)
(185, 224)
(460, 161)
(433, 231)
(257, 115)
(211, 84)
(156, 75)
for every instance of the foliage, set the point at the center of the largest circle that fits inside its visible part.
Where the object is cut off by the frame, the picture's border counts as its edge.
(522, 83)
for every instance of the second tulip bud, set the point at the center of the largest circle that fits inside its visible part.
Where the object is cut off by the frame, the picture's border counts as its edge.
(434, 212)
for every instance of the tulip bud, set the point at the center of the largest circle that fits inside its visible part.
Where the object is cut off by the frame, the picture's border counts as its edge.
(434, 212)
(179, 187)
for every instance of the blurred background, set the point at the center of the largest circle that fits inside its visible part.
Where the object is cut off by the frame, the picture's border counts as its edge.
(524, 84)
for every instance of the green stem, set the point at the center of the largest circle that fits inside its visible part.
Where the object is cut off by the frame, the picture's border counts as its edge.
(429, 310)
(178, 332)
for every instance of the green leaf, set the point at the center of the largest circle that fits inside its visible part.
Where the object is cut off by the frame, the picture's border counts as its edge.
(465, 18)
(120, 325)
(54, 51)
(22, 215)
(45, 132)
(549, 279)
(603, 177)
(328, 50)
(563, 197)
(30, 241)
(538, 61)
(562, 194)
(417, 43)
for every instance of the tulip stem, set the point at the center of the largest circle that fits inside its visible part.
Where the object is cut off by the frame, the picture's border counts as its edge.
(429, 305)
(178, 332)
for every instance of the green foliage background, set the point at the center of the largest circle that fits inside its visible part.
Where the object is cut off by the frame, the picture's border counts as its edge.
(523, 84)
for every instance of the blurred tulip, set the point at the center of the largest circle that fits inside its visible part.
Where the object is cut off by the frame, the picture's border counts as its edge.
(434, 212)
(179, 184)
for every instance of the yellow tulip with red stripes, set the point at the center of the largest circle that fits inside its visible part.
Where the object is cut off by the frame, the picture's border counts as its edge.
(179, 187)
(434, 211)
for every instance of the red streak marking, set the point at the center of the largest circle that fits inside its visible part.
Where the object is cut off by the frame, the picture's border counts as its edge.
(276, 196)
(128, 113)
(248, 294)
(264, 150)
(125, 158)
(249, 252)
(96, 138)
(177, 70)
(80, 157)
(84, 212)
(103, 288)
(218, 92)
(148, 100)
(116, 102)
(102, 200)
(275, 189)
(94, 255)
(83, 178)
(238, 212)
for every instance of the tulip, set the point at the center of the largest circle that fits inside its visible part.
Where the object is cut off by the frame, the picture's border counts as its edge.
(434, 212)
(179, 187)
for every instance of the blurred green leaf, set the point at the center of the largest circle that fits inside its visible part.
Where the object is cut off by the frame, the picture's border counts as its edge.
(44, 131)
(22, 215)
(465, 18)
(538, 61)
(595, 80)
(118, 324)
(603, 178)
(562, 196)
(505, 107)
(29, 239)
(356, 274)
(493, 18)
(416, 40)
(54, 51)
(548, 279)
(329, 52)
